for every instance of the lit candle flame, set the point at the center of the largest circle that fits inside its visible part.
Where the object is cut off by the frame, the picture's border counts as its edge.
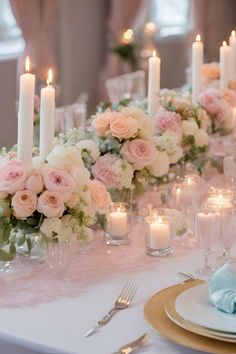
(198, 38)
(154, 53)
(224, 44)
(160, 220)
(189, 180)
(127, 36)
(27, 64)
(150, 27)
(49, 79)
(233, 33)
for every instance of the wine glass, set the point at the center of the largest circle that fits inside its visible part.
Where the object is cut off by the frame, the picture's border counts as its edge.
(229, 165)
(226, 235)
(207, 229)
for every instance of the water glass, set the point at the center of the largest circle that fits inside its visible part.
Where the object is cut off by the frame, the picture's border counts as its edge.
(58, 257)
(227, 232)
(207, 231)
(229, 165)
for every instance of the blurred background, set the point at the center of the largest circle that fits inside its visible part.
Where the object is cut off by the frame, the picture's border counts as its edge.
(88, 42)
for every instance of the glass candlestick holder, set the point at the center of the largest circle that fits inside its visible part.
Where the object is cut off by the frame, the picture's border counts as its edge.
(158, 235)
(118, 224)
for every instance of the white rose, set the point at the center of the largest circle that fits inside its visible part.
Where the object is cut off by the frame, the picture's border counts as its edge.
(125, 172)
(160, 167)
(51, 225)
(189, 127)
(37, 162)
(64, 158)
(88, 147)
(201, 138)
(178, 154)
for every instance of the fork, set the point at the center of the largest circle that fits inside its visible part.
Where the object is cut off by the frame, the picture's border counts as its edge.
(133, 346)
(123, 300)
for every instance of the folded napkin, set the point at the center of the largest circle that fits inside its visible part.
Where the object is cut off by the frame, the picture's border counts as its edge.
(222, 288)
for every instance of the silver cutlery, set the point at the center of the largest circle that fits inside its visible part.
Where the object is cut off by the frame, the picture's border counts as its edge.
(133, 346)
(186, 276)
(123, 300)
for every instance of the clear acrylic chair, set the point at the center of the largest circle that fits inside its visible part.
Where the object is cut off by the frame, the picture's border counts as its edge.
(72, 116)
(127, 86)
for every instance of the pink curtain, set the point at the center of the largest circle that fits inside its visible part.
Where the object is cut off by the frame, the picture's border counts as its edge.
(122, 16)
(36, 19)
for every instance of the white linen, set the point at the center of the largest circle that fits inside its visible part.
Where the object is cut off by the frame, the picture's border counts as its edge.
(59, 326)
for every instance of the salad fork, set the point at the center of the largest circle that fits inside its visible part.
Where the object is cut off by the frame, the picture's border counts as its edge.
(123, 300)
(133, 346)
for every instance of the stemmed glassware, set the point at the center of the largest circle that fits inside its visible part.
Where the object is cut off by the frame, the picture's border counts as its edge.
(207, 229)
(229, 165)
(227, 232)
(58, 257)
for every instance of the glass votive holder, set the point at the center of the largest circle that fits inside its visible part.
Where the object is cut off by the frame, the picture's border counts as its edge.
(187, 191)
(219, 198)
(118, 224)
(158, 235)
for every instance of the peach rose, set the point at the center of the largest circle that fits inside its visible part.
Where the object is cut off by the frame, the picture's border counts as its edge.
(24, 203)
(50, 204)
(13, 176)
(100, 195)
(124, 128)
(35, 183)
(59, 181)
(139, 152)
(230, 96)
(101, 122)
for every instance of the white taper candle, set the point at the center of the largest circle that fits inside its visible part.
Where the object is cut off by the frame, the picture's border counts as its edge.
(153, 84)
(197, 61)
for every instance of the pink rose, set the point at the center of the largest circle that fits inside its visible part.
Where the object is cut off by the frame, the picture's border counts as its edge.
(102, 170)
(35, 183)
(59, 181)
(168, 121)
(24, 203)
(13, 175)
(100, 195)
(210, 100)
(101, 122)
(230, 96)
(124, 128)
(139, 152)
(50, 204)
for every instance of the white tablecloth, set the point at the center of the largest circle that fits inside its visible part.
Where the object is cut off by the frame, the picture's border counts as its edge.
(59, 326)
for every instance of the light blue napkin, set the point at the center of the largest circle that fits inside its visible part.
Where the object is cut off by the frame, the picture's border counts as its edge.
(222, 288)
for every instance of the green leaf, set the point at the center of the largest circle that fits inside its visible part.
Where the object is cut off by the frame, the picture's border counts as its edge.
(12, 248)
(5, 256)
(29, 244)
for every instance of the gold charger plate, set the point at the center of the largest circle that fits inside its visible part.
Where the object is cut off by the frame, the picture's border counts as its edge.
(192, 327)
(154, 313)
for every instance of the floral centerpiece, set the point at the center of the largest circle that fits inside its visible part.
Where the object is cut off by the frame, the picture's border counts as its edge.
(219, 105)
(56, 198)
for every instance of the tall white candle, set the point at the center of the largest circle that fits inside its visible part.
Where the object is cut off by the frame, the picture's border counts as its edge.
(159, 235)
(47, 118)
(26, 115)
(153, 84)
(232, 43)
(197, 61)
(224, 66)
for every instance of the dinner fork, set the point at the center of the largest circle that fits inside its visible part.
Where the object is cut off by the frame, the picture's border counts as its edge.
(133, 346)
(123, 300)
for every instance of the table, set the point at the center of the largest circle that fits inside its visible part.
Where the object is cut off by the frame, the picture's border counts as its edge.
(58, 326)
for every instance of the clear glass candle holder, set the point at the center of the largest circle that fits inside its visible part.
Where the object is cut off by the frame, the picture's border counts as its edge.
(187, 191)
(219, 198)
(118, 224)
(158, 235)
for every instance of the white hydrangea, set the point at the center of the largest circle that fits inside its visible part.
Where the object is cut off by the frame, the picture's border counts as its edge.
(81, 175)
(177, 155)
(168, 142)
(65, 158)
(125, 172)
(161, 165)
(88, 147)
(201, 138)
(146, 128)
(37, 162)
(51, 225)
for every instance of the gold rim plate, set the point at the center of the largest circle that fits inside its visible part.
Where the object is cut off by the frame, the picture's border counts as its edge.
(154, 313)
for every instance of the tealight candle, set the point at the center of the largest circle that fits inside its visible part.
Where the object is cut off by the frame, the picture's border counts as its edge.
(118, 224)
(158, 235)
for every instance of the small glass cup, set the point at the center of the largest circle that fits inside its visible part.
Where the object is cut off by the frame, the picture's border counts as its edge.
(227, 233)
(219, 198)
(187, 191)
(158, 235)
(118, 224)
(58, 257)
